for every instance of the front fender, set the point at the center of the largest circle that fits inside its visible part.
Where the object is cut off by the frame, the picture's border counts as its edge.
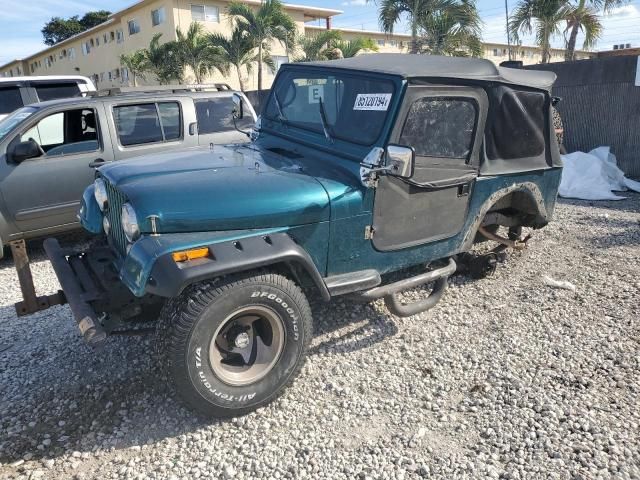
(90, 214)
(150, 268)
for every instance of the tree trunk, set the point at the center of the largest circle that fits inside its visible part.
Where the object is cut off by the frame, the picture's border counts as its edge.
(259, 68)
(545, 45)
(570, 52)
(135, 83)
(414, 37)
(238, 69)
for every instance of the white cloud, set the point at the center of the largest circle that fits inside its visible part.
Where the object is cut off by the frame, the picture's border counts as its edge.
(354, 3)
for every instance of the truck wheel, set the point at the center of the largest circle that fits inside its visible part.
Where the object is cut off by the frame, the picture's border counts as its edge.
(233, 346)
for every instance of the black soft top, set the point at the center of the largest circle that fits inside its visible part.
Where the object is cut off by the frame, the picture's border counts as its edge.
(421, 66)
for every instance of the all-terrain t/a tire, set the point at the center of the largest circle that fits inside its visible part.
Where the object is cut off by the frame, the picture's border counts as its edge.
(230, 347)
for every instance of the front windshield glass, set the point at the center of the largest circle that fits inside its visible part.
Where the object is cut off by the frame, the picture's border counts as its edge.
(9, 123)
(355, 106)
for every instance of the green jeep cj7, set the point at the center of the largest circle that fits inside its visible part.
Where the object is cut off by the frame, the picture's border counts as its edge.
(358, 167)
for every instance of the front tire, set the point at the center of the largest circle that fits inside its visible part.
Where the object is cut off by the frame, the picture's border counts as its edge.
(233, 346)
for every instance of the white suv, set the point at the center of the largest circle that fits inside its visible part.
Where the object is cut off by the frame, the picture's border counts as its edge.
(15, 92)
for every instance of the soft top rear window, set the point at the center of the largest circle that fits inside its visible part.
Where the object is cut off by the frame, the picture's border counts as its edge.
(355, 106)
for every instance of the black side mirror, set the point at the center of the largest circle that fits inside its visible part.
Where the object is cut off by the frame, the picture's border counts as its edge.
(24, 151)
(238, 108)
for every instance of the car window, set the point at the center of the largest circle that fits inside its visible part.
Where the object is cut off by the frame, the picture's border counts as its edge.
(356, 106)
(517, 125)
(65, 133)
(214, 115)
(140, 124)
(52, 91)
(10, 100)
(12, 121)
(440, 127)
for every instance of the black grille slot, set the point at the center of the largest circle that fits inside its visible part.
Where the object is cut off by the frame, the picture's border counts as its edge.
(114, 211)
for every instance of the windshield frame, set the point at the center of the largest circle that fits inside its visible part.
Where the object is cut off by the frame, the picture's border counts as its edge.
(12, 116)
(314, 70)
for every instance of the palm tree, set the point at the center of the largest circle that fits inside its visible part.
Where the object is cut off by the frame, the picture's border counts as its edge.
(163, 61)
(545, 16)
(392, 11)
(351, 48)
(194, 50)
(316, 47)
(239, 51)
(584, 17)
(270, 22)
(453, 31)
(136, 64)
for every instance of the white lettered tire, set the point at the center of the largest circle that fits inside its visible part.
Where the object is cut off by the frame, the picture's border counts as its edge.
(232, 346)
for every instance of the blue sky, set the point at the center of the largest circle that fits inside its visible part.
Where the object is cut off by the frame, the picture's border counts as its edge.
(21, 20)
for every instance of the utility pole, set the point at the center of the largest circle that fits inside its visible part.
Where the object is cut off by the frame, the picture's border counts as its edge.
(506, 15)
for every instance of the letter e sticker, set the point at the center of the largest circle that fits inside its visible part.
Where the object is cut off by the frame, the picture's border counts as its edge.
(315, 93)
(372, 101)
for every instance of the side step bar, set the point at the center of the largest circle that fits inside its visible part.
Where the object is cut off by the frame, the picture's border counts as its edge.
(389, 292)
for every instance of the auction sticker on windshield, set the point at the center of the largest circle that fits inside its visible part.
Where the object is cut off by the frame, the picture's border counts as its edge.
(372, 101)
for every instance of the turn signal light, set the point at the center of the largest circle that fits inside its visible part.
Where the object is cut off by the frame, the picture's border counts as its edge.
(192, 254)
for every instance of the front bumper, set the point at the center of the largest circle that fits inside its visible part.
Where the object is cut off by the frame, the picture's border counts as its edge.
(76, 272)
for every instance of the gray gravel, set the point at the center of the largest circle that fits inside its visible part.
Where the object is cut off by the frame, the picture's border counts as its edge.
(505, 378)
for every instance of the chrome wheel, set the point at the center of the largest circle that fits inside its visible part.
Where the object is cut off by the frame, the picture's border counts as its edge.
(246, 345)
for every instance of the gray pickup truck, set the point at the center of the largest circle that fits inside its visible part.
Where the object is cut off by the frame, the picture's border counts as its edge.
(49, 150)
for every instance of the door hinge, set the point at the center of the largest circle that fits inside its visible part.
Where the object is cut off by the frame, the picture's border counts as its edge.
(368, 232)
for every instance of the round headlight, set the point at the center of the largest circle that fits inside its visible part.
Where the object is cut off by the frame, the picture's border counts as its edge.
(130, 223)
(106, 225)
(100, 193)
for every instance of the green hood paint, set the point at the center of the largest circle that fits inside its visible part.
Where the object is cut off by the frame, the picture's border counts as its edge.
(224, 188)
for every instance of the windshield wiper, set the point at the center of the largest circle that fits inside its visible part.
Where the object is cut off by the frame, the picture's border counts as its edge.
(281, 116)
(325, 124)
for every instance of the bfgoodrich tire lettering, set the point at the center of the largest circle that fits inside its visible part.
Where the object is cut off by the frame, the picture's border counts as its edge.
(202, 322)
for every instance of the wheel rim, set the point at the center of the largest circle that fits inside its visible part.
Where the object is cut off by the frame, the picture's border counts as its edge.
(247, 345)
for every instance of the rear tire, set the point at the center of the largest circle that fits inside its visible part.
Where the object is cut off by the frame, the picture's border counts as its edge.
(233, 346)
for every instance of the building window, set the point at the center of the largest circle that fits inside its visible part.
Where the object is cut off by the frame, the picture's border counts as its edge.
(72, 53)
(119, 36)
(86, 49)
(134, 27)
(92, 42)
(105, 39)
(205, 13)
(279, 60)
(393, 43)
(112, 36)
(381, 43)
(157, 16)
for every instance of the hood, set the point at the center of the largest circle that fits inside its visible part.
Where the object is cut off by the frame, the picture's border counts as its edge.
(224, 188)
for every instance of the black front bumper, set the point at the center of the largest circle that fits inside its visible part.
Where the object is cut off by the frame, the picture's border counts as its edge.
(77, 279)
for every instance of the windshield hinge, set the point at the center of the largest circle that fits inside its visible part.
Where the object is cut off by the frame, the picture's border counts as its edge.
(368, 232)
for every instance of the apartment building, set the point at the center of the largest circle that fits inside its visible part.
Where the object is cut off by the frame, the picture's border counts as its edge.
(95, 53)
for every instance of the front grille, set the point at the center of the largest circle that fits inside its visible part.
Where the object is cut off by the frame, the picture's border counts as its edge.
(114, 211)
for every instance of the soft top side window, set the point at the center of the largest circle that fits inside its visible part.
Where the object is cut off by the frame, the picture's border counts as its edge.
(516, 125)
(143, 123)
(441, 127)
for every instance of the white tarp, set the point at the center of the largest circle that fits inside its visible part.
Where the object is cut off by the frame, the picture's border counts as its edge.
(593, 176)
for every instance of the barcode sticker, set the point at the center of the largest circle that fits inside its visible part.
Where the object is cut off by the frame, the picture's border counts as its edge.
(372, 101)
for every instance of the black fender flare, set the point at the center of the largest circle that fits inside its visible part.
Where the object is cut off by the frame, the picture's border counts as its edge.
(529, 188)
(168, 278)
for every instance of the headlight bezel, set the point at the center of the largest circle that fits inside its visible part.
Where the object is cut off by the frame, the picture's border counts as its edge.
(100, 194)
(129, 222)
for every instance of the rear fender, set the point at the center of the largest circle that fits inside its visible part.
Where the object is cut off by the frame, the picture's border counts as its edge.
(535, 201)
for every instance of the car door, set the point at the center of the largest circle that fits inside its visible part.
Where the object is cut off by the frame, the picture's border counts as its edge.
(44, 192)
(444, 126)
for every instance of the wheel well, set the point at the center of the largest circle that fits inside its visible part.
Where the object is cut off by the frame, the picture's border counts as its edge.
(517, 208)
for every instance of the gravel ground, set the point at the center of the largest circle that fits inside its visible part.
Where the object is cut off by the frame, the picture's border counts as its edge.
(505, 378)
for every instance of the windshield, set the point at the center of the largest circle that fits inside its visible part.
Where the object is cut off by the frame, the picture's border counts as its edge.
(9, 123)
(354, 107)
